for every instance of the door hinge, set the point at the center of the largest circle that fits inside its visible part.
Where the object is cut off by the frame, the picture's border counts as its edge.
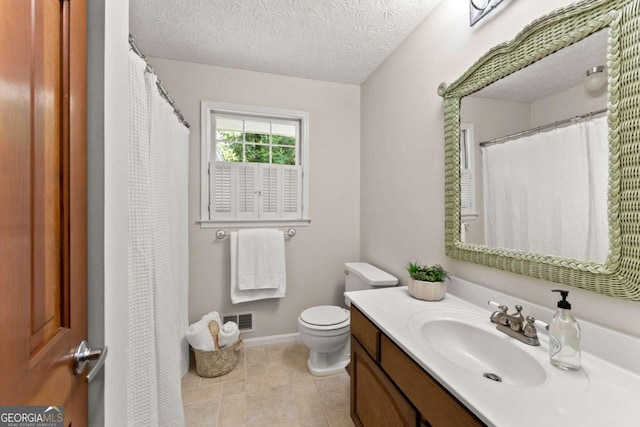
(209, 169)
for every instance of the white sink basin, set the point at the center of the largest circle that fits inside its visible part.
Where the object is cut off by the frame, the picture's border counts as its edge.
(472, 343)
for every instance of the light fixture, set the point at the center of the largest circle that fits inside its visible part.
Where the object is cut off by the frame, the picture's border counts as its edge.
(479, 4)
(595, 79)
(478, 9)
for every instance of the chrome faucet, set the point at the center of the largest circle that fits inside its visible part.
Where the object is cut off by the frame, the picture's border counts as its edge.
(514, 324)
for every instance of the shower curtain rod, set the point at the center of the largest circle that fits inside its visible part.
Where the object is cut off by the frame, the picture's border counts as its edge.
(163, 92)
(539, 128)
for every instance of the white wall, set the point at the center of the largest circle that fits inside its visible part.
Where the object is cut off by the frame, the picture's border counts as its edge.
(402, 155)
(493, 118)
(566, 104)
(315, 257)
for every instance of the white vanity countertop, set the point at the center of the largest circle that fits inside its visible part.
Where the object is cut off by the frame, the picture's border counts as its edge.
(601, 394)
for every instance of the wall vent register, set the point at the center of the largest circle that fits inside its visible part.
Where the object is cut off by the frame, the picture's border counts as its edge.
(243, 320)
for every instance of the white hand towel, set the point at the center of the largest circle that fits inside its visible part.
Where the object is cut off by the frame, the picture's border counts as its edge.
(260, 259)
(229, 334)
(237, 295)
(198, 335)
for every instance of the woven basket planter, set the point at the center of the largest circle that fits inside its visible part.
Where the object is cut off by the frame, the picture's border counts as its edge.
(428, 291)
(219, 362)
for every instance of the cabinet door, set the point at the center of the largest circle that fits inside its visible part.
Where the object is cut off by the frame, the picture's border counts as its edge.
(375, 401)
(437, 406)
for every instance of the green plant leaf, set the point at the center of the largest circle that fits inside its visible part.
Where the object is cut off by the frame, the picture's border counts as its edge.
(425, 273)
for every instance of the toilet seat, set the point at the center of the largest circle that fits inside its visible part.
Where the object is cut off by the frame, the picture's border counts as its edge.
(325, 317)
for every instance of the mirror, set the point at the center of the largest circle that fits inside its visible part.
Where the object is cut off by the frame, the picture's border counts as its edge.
(534, 157)
(514, 88)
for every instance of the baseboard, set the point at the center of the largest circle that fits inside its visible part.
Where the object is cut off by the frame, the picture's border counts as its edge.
(273, 339)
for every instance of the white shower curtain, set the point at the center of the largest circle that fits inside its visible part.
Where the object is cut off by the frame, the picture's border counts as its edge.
(547, 193)
(158, 247)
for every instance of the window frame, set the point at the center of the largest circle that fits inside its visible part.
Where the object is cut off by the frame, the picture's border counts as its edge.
(207, 139)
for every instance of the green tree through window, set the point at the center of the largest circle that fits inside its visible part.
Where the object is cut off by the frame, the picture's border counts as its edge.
(256, 147)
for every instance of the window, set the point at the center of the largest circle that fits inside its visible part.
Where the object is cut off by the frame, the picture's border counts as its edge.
(467, 172)
(254, 162)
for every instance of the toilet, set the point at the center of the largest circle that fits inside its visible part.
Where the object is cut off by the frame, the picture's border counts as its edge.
(325, 329)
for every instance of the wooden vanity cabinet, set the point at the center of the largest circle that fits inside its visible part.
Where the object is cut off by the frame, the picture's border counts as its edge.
(389, 389)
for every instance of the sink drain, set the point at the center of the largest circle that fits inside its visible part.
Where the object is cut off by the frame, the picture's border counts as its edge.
(492, 377)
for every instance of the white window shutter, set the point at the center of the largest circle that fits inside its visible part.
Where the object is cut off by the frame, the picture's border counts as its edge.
(270, 191)
(246, 180)
(465, 189)
(255, 191)
(291, 192)
(467, 171)
(221, 203)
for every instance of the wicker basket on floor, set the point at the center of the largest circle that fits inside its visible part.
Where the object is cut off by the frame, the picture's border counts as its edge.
(217, 362)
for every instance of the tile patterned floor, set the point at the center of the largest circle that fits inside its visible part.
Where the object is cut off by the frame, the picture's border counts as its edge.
(270, 386)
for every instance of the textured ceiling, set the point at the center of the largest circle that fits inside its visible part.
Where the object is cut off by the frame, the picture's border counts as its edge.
(333, 40)
(555, 73)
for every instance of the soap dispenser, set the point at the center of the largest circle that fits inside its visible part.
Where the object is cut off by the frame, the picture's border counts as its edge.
(564, 336)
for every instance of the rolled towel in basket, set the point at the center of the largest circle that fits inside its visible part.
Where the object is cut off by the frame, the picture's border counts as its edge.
(198, 335)
(214, 315)
(229, 334)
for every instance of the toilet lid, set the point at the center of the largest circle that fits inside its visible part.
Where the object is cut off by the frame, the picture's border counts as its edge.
(324, 315)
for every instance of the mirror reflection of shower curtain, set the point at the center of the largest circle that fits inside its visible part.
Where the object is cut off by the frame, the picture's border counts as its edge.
(547, 193)
(158, 254)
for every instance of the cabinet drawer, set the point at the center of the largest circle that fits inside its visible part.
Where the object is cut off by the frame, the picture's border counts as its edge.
(366, 333)
(438, 407)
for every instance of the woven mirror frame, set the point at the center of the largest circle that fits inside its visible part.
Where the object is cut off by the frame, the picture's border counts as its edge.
(619, 276)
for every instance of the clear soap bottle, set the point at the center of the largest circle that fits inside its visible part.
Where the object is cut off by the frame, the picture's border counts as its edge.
(564, 337)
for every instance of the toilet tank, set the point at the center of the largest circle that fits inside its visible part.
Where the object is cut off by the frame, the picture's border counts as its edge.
(362, 275)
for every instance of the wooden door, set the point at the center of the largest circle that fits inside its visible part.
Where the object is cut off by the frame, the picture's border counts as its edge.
(43, 203)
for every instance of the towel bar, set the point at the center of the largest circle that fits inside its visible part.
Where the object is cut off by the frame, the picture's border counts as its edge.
(221, 234)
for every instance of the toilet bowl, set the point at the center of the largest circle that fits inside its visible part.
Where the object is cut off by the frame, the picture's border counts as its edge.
(325, 329)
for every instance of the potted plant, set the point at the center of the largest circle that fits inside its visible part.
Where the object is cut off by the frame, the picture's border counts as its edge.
(427, 282)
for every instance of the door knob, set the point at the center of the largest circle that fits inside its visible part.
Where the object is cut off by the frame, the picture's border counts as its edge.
(84, 355)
